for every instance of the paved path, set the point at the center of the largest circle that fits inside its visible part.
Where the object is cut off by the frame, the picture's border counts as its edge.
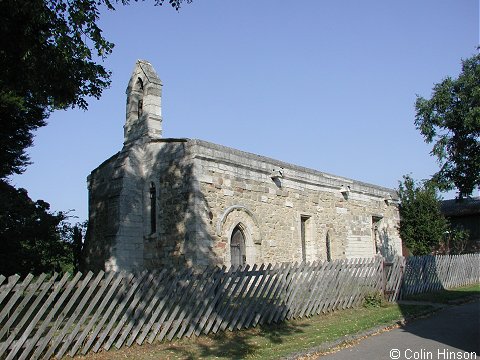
(452, 333)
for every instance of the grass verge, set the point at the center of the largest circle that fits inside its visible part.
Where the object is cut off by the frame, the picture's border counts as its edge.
(273, 341)
(448, 296)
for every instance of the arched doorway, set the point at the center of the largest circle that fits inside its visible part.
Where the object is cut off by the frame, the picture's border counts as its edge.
(237, 247)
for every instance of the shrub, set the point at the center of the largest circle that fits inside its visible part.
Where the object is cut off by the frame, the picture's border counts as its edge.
(374, 300)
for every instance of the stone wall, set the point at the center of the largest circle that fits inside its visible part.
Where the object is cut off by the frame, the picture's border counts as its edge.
(104, 188)
(116, 206)
(170, 168)
(202, 191)
(238, 188)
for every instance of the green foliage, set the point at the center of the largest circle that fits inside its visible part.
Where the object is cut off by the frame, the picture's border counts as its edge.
(49, 59)
(174, 3)
(32, 239)
(46, 64)
(456, 242)
(451, 119)
(374, 300)
(422, 226)
(49, 52)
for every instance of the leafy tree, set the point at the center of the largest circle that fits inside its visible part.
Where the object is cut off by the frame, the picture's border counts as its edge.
(451, 119)
(32, 239)
(422, 226)
(457, 242)
(73, 236)
(48, 60)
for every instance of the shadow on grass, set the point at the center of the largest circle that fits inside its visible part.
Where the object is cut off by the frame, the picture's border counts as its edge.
(445, 296)
(238, 344)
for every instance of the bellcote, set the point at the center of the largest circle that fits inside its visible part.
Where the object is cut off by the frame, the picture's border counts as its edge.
(144, 99)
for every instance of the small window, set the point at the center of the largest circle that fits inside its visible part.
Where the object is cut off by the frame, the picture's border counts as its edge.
(304, 234)
(328, 245)
(153, 208)
(140, 108)
(376, 233)
(139, 89)
(139, 84)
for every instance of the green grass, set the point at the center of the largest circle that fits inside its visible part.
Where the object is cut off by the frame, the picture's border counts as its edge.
(448, 296)
(271, 342)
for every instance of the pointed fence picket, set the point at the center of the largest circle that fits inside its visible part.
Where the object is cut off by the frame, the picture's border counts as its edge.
(43, 317)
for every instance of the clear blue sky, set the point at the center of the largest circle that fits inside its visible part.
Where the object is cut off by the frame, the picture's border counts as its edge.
(329, 85)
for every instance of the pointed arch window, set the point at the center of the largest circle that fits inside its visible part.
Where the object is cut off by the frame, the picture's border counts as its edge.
(237, 247)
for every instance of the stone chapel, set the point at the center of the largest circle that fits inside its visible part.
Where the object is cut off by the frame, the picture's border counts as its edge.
(185, 202)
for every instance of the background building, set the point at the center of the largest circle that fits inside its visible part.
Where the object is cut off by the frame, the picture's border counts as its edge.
(464, 214)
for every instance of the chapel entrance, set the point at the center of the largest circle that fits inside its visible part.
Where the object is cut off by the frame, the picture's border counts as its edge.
(237, 247)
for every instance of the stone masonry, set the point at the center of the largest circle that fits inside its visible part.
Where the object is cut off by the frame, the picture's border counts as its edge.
(178, 202)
